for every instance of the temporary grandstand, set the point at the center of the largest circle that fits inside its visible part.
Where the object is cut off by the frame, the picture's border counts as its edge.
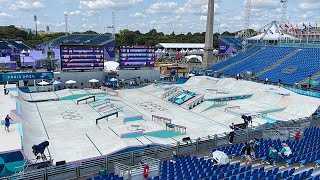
(290, 65)
(81, 39)
(13, 45)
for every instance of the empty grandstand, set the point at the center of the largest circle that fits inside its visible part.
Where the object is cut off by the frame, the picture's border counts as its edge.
(289, 64)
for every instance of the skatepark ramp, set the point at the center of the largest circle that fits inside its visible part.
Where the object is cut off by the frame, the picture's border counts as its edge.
(195, 101)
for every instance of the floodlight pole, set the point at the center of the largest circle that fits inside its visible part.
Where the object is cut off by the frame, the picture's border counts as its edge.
(246, 34)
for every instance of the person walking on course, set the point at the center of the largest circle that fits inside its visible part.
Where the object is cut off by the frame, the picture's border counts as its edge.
(7, 123)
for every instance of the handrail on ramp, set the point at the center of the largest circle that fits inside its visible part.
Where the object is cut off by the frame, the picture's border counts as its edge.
(86, 99)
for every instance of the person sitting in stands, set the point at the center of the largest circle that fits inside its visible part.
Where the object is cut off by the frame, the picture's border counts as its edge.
(285, 151)
(174, 157)
(102, 171)
(273, 155)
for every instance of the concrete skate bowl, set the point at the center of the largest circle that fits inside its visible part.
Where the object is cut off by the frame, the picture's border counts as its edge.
(11, 163)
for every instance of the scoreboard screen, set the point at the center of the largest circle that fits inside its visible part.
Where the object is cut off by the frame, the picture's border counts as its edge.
(81, 57)
(136, 56)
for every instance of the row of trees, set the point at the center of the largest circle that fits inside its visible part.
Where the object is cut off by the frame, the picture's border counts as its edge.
(124, 37)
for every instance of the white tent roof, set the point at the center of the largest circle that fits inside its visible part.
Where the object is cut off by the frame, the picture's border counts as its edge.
(111, 66)
(272, 31)
(180, 45)
(188, 58)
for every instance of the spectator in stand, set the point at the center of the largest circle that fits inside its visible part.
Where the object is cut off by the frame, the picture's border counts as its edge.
(102, 171)
(273, 155)
(298, 134)
(231, 134)
(285, 151)
(246, 149)
(256, 144)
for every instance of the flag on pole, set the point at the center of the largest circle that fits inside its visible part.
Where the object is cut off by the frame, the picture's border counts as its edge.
(286, 26)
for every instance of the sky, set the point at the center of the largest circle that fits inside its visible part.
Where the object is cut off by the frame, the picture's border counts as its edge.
(180, 16)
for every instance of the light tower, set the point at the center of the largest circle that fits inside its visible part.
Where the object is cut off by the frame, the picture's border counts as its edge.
(36, 23)
(246, 33)
(284, 4)
(208, 47)
(66, 22)
(113, 26)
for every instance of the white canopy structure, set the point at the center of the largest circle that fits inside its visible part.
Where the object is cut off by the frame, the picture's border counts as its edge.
(71, 82)
(93, 80)
(111, 66)
(193, 59)
(272, 31)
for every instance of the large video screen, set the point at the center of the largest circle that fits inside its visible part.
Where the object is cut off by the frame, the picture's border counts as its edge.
(81, 57)
(136, 56)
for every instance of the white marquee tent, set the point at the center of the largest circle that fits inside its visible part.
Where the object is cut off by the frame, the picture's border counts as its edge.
(272, 31)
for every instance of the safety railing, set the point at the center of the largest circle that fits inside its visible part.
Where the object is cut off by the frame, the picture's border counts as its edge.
(91, 167)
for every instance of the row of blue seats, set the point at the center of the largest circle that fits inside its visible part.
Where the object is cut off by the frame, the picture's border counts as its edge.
(304, 63)
(234, 59)
(259, 61)
(106, 177)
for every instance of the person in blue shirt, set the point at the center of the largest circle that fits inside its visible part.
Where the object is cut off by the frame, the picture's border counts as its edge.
(7, 123)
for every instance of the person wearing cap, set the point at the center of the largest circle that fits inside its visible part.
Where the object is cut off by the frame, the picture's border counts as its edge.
(285, 151)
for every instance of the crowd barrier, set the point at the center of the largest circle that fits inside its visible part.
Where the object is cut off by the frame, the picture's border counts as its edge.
(75, 170)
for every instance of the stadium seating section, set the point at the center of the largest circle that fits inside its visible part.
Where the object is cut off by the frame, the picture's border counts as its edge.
(234, 42)
(4, 45)
(306, 151)
(259, 61)
(19, 46)
(90, 39)
(306, 62)
(296, 68)
(238, 57)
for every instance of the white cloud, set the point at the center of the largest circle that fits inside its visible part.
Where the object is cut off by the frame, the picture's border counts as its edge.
(265, 4)
(137, 15)
(101, 4)
(309, 5)
(3, 14)
(89, 26)
(162, 7)
(27, 5)
(197, 7)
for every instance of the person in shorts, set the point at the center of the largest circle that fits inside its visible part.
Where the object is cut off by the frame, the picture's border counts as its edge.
(248, 148)
(7, 123)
